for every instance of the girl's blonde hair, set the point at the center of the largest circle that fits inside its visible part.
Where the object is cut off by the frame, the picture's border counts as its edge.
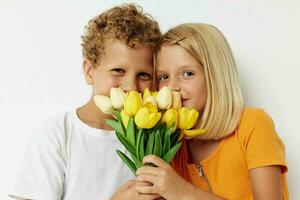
(225, 103)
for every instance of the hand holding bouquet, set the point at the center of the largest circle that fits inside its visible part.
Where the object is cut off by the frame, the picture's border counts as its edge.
(152, 123)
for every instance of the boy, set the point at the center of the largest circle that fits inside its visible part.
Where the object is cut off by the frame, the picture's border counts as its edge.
(72, 156)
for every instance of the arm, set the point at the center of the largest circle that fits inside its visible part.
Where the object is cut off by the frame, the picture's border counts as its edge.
(266, 183)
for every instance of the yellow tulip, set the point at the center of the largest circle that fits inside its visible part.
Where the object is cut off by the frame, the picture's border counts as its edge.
(146, 93)
(164, 98)
(147, 116)
(125, 118)
(117, 97)
(170, 117)
(187, 118)
(103, 103)
(133, 102)
(150, 99)
(154, 93)
(193, 133)
(176, 100)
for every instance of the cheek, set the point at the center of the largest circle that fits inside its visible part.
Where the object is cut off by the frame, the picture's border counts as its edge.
(102, 86)
(200, 99)
(145, 84)
(162, 84)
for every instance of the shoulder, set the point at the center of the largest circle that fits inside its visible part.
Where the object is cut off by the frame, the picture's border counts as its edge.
(52, 130)
(255, 124)
(253, 117)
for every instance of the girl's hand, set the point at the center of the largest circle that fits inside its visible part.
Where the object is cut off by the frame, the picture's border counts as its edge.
(128, 191)
(165, 181)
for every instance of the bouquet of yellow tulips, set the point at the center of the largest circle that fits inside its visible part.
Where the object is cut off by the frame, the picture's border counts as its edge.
(148, 123)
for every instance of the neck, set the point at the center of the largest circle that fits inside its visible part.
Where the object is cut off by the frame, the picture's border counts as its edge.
(92, 116)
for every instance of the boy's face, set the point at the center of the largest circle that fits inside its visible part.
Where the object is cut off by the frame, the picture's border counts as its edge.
(121, 66)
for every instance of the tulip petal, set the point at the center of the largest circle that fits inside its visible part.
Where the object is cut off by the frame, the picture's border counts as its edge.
(103, 103)
(194, 133)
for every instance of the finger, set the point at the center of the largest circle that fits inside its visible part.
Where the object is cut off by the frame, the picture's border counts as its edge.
(148, 170)
(155, 160)
(143, 183)
(147, 178)
(149, 196)
(146, 189)
(128, 184)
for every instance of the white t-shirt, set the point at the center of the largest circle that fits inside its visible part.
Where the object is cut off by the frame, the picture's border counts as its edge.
(67, 159)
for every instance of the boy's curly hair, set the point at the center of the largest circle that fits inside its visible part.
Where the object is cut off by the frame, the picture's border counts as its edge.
(127, 23)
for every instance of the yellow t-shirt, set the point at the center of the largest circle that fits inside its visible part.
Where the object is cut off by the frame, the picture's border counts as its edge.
(226, 172)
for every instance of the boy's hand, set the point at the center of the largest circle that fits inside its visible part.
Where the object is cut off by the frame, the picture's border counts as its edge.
(128, 191)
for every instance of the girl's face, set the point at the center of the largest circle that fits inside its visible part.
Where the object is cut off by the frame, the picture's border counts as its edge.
(181, 72)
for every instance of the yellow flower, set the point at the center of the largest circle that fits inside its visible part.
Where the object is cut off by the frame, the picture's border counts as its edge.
(146, 93)
(147, 97)
(170, 117)
(125, 118)
(150, 99)
(147, 116)
(133, 102)
(176, 100)
(164, 98)
(103, 103)
(154, 93)
(187, 118)
(193, 133)
(117, 97)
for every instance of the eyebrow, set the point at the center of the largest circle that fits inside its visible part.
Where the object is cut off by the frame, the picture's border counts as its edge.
(182, 66)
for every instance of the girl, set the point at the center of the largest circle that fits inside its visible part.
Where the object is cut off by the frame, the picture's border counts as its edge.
(241, 156)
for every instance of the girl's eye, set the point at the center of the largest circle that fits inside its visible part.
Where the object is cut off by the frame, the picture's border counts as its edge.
(118, 70)
(145, 76)
(188, 74)
(163, 77)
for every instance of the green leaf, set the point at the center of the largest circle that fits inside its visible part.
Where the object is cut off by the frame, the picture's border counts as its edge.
(119, 118)
(127, 143)
(130, 133)
(150, 144)
(174, 137)
(137, 162)
(142, 147)
(157, 144)
(162, 132)
(138, 143)
(158, 126)
(127, 161)
(169, 130)
(171, 153)
(114, 124)
(166, 145)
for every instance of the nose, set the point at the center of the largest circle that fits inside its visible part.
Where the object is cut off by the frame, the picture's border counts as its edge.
(174, 85)
(129, 84)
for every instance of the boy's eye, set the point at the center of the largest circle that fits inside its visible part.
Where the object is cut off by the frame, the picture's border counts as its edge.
(145, 76)
(163, 77)
(118, 70)
(188, 74)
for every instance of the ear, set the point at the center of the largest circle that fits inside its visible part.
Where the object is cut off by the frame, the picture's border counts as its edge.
(88, 69)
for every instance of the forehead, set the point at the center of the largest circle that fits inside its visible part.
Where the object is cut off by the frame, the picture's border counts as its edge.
(117, 52)
(174, 55)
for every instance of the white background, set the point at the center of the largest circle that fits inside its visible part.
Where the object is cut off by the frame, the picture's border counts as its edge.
(40, 63)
